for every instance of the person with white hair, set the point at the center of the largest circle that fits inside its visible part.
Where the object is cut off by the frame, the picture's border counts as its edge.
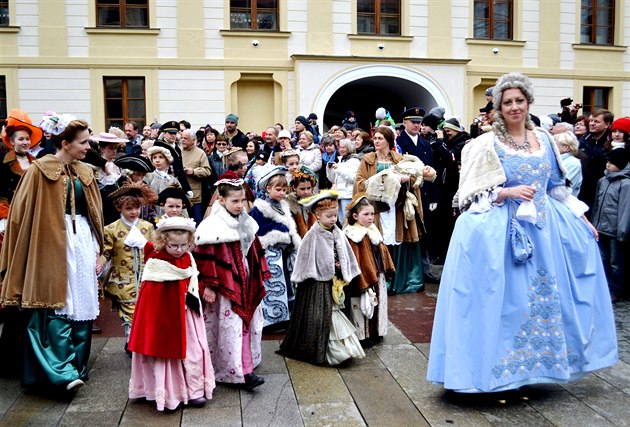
(567, 144)
(523, 262)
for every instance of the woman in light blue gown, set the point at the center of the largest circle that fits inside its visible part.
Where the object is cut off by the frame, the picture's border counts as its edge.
(500, 325)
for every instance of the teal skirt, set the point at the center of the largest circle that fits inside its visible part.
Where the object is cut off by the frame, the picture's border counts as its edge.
(409, 277)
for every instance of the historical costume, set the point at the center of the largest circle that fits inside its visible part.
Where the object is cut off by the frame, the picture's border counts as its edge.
(231, 262)
(171, 362)
(376, 267)
(48, 266)
(502, 321)
(319, 332)
(303, 217)
(278, 235)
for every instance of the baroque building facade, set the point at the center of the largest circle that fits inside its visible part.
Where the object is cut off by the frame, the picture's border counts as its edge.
(271, 60)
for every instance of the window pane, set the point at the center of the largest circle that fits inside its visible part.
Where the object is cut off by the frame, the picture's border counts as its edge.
(135, 88)
(120, 124)
(604, 17)
(4, 13)
(482, 11)
(3, 97)
(389, 25)
(390, 6)
(138, 2)
(116, 2)
(365, 6)
(585, 34)
(481, 29)
(240, 20)
(603, 35)
(501, 11)
(137, 18)
(113, 88)
(266, 21)
(135, 108)
(267, 4)
(365, 24)
(604, 3)
(108, 16)
(501, 31)
(587, 16)
(114, 108)
(241, 3)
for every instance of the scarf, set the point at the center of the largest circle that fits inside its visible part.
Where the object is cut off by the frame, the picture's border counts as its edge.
(157, 270)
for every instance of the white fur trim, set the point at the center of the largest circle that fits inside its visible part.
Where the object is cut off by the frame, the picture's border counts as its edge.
(287, 220)
(157, 270)
(357, 232)
(220, 227)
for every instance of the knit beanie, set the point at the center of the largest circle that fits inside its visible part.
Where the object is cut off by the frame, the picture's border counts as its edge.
(302, 120)
(431, 121)
(618, 157)
(622, 124)
(453, 124)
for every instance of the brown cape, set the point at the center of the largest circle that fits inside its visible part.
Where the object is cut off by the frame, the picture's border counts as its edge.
(33, 263)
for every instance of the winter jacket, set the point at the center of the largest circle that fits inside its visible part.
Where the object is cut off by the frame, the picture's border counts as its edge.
(611, 215)
(343, 176)
(311, 157)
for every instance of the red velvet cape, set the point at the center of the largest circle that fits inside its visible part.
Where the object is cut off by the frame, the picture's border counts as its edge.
(158, 328)
(221, 268)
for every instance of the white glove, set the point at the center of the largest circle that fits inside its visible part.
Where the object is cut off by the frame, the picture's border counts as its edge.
(432, 206)
(3, 225)
(189, 194)
(368, 302)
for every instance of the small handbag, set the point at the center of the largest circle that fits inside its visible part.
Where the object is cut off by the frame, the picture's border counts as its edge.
(522, 247)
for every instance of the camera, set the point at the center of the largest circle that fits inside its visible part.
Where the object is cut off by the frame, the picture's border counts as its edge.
(255, 43)
(495, 50)
(381, 46)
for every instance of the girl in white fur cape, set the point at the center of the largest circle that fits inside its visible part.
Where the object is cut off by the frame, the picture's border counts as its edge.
(319, 332)
(279, 237)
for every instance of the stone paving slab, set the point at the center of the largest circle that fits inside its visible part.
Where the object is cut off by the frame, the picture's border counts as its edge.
(618, 375)
(10, 391)
(104, 419)
(39, 410)
(316, 384)
(275, 405)
(564, 409)
(343, 414)
(380, 398)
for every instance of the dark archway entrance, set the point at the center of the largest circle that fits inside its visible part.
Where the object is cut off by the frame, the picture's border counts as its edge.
(365, 95)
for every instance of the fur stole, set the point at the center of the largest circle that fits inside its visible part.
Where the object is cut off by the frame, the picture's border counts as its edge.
(357, 232)
(221, 227)
(316, 256)
(482, 170)
(157, 270)
(275, 228)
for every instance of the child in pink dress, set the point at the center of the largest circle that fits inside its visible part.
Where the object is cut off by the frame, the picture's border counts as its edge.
(171, 362)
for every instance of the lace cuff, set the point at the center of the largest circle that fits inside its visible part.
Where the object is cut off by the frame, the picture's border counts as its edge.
(484, 201)
(563, 194)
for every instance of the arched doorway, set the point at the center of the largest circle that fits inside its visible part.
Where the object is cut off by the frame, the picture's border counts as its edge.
(364, 89)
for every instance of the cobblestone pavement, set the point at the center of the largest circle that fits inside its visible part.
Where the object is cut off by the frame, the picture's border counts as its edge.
(388, 387)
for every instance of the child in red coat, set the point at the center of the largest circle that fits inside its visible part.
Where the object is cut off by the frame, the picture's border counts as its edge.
(171, 362)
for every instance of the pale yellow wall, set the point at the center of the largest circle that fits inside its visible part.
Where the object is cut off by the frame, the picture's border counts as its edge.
(271, 47)
(52, 28)
(319, 38)
(8, 43)
(549, 35)
(439, 42)
(190, 29)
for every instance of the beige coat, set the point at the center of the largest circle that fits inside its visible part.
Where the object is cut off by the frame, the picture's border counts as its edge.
(413, 231)
(196, 159)
(33, 264)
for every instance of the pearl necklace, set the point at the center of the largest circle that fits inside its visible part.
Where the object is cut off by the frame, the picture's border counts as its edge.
(525, 146)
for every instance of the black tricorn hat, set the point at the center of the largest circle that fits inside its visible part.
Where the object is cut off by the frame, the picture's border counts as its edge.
(174, 193)
(134, 162)
(94, 158)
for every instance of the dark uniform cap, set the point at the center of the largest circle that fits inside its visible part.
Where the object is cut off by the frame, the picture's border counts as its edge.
(414, 114)
(171, 126)
(489, 107)
(94, 158)
(134, 162)
(173, 193)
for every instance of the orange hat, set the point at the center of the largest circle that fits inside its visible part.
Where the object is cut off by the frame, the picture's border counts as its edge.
(19, 120)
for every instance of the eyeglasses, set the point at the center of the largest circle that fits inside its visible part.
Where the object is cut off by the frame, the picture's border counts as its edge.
(221, 144)
(181, 247)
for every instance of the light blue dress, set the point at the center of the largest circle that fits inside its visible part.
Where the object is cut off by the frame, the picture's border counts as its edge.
(500, 325)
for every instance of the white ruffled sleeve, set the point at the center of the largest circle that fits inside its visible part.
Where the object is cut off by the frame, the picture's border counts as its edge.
(563, 194)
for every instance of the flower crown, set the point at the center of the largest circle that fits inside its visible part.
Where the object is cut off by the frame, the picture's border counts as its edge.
(56, 123)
